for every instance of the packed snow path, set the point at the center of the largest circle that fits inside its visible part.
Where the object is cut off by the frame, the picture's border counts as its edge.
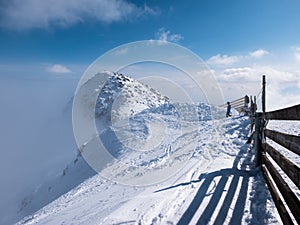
(218, 185)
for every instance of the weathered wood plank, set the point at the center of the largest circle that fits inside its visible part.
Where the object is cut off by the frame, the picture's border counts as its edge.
(238, 101)
(291, 113)
(289, 196)
(292, 170)
(288, 141)
(258, 141)
(237, 105)
(285, 217)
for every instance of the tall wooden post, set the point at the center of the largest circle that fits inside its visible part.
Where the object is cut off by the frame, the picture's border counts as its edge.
(258, 140)
(263, 93)
(260, 123)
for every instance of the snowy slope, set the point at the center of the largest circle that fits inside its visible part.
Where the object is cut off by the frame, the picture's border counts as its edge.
(215, 170)
(77, 170)
(173, 163)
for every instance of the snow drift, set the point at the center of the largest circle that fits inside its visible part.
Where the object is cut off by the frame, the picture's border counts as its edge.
(169, 163)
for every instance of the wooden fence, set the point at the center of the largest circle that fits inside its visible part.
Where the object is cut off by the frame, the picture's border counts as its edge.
(270, 160)
(237, 104)
(242, 104)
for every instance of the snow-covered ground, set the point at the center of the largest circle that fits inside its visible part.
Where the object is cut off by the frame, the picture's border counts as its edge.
(172, 164)
(219, 185)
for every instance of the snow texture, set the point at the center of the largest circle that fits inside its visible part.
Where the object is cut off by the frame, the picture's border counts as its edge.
(212, 180)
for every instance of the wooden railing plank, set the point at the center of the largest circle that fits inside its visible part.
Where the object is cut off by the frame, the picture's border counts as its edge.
(288, 141)
(237, 101)
(238, 105)
(292, 170)
(291, 113)
(285, 217)
(289, 196)
(271, 174)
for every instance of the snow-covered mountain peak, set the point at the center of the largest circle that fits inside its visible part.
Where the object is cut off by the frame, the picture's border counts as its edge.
(138, 129)
(123, 97)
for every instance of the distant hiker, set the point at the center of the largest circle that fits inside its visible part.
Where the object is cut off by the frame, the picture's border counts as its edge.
(228, 109)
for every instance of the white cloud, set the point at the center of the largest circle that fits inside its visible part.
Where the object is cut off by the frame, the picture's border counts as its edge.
(297, 53)
(254, 73)
(164, 36)
(238, 74)
(122, 51)
(259, 53)
(223, 60)
(227, 60)
(31, 14)
(58, 68)
(283, 87)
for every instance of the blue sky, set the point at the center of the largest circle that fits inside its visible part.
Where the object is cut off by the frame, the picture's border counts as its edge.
(239, 39)
(207, 27)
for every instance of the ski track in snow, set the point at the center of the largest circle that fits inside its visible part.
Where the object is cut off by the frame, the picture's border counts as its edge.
(98, 201)
(207, 171)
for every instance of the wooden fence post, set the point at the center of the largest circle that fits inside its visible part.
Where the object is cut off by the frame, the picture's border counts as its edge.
(258, 138)
(263, 93)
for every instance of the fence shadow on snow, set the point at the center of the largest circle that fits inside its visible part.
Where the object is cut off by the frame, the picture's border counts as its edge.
(233, 183)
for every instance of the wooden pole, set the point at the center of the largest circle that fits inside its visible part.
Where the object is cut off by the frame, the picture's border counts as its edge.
(258, 140)
(264, 93)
